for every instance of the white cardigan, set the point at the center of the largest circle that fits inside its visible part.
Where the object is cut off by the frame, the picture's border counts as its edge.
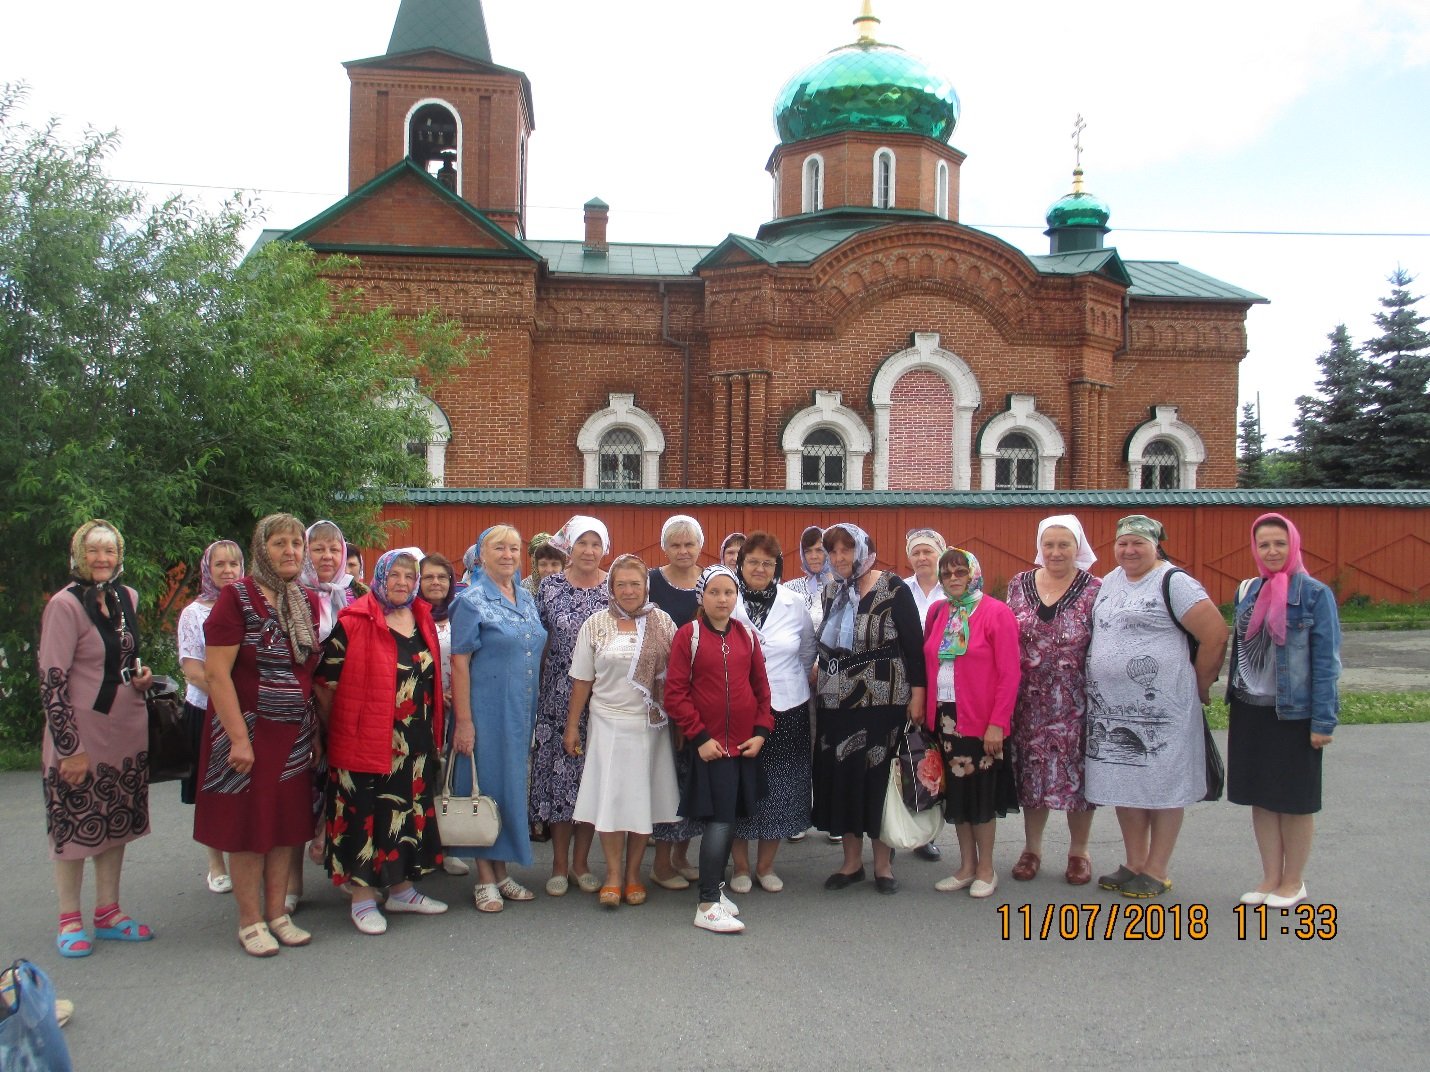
(788, 641)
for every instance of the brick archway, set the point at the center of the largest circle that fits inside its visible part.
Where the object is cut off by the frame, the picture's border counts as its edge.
(921, 421)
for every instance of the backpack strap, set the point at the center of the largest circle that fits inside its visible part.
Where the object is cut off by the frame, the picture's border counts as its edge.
(1193, 644)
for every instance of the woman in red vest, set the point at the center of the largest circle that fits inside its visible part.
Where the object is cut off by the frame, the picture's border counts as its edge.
(382, 674)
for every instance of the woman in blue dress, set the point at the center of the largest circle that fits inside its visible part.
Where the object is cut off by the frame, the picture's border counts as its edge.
(497, 640)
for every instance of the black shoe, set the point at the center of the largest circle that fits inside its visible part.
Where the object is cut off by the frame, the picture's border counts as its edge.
(886, 885)
(840, 881)
(929, 852)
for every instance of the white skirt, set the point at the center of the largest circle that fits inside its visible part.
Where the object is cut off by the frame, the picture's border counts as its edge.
(628, 783)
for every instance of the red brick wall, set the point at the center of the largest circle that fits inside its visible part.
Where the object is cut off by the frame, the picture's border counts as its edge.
(920, 429)
(849, 170)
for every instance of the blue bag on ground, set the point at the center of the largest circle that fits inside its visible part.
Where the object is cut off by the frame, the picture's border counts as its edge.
(30, 1039)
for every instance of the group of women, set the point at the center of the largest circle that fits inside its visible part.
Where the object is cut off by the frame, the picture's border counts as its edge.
(633, 704)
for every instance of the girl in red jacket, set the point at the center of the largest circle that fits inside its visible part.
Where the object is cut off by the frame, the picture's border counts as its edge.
(716, 691)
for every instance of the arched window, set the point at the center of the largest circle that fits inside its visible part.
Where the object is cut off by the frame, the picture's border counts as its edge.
(620, 446)
(884, 178)
(954, 371)
(1161, 466)
(822, 461)
(433, 449)
(434, 141)
(1017, 464)
(941, 190)
(812, 195)
(620, 460)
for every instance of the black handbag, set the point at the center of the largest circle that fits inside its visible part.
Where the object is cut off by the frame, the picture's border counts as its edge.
(1216, 769)
(171, 753)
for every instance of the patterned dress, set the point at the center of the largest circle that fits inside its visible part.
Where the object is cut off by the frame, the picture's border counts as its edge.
(555, 776)
(382, 829)
(1049, 723)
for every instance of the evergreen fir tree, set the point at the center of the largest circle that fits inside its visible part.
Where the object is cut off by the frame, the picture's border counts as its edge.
(1251, 450)
(1398, 451)
(1334, 427)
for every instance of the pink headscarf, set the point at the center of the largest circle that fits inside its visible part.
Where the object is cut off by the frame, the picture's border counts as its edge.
(1270, 608)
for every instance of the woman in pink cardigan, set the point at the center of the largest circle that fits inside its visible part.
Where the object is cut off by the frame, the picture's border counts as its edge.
(971, 653)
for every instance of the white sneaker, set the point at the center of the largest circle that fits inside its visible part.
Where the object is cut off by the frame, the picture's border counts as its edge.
(455, 865)
(420, 904)
(727, 904)
(717, 919)
(370, 920)
(740, 883)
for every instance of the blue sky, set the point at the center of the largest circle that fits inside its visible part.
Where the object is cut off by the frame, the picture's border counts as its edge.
(1260, 115)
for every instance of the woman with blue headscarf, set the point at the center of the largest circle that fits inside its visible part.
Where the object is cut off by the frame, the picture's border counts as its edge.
(871, 681)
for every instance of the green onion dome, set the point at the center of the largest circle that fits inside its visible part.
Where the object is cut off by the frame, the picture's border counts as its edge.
(1079, 208)
(867, 86)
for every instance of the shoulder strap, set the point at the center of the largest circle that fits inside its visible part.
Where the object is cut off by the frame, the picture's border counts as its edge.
(1167, 599)
(1242, 587)
(694, 638)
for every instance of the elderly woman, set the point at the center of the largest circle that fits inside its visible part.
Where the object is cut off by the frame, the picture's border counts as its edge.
(628, 783)
(815, 573)
(971, 661)
(354, 570)
(96, 735)
(1053, 606)
(1285, 663)
(672, 589)
(565, 601)
(871, 680)
(786, 634)
(545, 561)
(221, 564)
(922, 548)
(497, 640)
(730, 549)
(1145, 739)
(255, 796)
(381, 687)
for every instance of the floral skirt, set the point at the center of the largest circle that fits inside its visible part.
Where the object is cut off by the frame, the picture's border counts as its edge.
(979, 788)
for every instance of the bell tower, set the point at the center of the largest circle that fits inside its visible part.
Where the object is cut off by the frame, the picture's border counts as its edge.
(436, 98)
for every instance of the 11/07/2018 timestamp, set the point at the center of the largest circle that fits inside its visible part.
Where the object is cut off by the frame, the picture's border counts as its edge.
(1157, 922)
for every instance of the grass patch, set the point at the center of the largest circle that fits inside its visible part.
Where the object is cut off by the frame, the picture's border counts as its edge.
(19, 757)
(1359, 709)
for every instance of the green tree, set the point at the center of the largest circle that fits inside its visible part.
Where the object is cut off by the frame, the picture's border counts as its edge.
(1334, 426)
(155, 377)
(1251, 450)
(1398, 453)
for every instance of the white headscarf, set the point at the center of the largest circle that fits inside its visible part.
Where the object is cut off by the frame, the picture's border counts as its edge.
(573, 530)
(678, 519)
(1085, 556)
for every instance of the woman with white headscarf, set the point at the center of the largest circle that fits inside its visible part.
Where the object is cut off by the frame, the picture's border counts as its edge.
(1053, 606)
(871, 681)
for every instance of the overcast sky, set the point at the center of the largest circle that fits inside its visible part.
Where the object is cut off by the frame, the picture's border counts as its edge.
(1225, 115)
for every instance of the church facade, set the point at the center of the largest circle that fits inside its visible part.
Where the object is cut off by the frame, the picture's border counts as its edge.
(861, 339)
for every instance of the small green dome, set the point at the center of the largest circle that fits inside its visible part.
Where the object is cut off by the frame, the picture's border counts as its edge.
(1078, 209)
(867, 86)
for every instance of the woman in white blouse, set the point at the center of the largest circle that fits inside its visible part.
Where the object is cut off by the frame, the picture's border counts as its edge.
(780, 618)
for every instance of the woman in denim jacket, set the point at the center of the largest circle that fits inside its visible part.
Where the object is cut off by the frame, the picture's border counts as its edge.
(1286, 660)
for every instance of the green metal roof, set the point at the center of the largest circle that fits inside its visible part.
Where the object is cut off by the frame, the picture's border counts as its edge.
(1083, 261)
(1168, 279)
(1257, 497)
(455, 26)
(622, 259)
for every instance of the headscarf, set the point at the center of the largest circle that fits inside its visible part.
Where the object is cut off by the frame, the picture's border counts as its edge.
(334, 595)
(955, 634)
(208, 590)
(845, 604)
(825, 571)
(708, 574)
(536, 543)
(440, 611)
(565, 539)
(79, 569)
(111, 625)
(647, 671)
(758, 601)
(1085, 556)
(916, 537)
(677, 519)
(384, 567)
(470, 559)
(1270, 608)
(292, 609)
(1146, 527)
(728, 540)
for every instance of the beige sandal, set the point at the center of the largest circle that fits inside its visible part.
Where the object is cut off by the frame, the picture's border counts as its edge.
(256, 940)
(287, 932)
(513, 890)
(488, 897)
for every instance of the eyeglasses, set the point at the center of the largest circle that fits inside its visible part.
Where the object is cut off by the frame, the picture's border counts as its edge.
(759, 563)
(961, 572)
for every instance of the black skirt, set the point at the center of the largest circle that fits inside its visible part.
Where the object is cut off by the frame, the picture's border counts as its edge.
(722, 790)
(195, 719)
(852, 752)
(1270, 762)
(975, 793)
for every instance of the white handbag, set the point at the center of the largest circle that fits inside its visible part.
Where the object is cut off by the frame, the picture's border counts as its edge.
(466, 821)
(901, 827)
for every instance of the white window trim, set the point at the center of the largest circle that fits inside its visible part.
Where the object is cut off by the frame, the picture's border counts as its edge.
(437, 441)
(927, 354)
(804, 191)
(622, 412)
(407, 132)
(1022, 416)
(893, 177)
(829, 412)
(776, 213)
(1165, 424)
(941, 189)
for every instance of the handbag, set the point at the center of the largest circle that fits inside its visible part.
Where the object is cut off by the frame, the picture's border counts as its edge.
(1216, 769)
(171, 752)
(466, 821)
(921, 773)
(29, 1033)
(901, 827)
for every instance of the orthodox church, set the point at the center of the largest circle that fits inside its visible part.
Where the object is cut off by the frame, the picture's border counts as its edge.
(863, 338)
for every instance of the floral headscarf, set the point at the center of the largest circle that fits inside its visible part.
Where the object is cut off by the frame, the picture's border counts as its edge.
(845, 603)
(1270, 609)
(384, 567)
(208, 590)
(79, 569)
(292, 609)
(334, 595)
(924, 538)
(1085, 556)
(955, 634)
